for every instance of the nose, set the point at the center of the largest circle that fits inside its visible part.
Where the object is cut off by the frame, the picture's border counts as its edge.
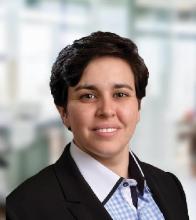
(106, 108)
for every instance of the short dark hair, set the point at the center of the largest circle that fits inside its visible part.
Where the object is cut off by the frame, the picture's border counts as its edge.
(72, 60)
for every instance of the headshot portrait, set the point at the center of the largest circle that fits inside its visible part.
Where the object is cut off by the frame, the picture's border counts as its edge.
(98, 83)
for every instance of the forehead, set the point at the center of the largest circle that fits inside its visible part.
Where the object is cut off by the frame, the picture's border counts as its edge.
(107, 69)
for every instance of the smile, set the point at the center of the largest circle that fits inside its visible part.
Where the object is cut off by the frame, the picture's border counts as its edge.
(106, 130)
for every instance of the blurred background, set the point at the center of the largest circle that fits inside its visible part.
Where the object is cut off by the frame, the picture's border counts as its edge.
(32, 32)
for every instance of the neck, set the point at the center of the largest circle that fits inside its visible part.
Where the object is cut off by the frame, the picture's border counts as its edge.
(118, 164)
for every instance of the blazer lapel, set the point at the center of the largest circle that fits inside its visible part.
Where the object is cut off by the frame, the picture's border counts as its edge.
(164, 192)
(160, 198)
(79, 198)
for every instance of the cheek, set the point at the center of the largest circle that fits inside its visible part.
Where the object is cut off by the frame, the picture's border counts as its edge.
(78, 116)
(130, 115)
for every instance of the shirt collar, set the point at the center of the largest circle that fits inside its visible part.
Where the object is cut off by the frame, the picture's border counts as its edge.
(135, 172)
(100, 178)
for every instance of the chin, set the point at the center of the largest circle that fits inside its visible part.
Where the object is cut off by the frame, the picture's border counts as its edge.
(107, 152)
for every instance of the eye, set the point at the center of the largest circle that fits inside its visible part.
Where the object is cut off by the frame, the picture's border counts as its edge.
(120, 95)
(87, 97)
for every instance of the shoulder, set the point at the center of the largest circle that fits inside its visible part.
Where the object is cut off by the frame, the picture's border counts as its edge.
(41, 184)
(37, 184)
(37, 198)
(162, 179)
(152, 170)
(166, 187)
(44, 184)
(35, 190)
(158, 174)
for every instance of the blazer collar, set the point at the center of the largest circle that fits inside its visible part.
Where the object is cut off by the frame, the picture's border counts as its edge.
(101, 179)
(80, 199)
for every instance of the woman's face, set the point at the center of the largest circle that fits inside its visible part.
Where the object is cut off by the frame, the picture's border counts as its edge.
(102, 109)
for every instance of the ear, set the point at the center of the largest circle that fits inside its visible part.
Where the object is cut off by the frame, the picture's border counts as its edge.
(64, 115)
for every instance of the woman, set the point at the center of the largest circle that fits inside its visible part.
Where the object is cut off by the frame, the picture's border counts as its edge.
(97, 84)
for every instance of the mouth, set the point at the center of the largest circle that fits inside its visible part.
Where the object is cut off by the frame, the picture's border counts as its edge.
(106, 130)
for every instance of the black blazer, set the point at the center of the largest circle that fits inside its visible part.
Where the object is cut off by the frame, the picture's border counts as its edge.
(60, 192)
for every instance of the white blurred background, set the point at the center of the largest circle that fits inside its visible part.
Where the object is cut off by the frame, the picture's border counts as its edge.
(32, 32)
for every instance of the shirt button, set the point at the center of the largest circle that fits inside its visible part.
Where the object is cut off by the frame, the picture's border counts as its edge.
(125, 184)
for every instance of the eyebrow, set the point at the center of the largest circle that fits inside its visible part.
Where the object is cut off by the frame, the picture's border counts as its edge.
(93, 87)
(119, 86)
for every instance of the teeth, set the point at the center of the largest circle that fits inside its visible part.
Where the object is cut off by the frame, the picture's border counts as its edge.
(106, 130)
